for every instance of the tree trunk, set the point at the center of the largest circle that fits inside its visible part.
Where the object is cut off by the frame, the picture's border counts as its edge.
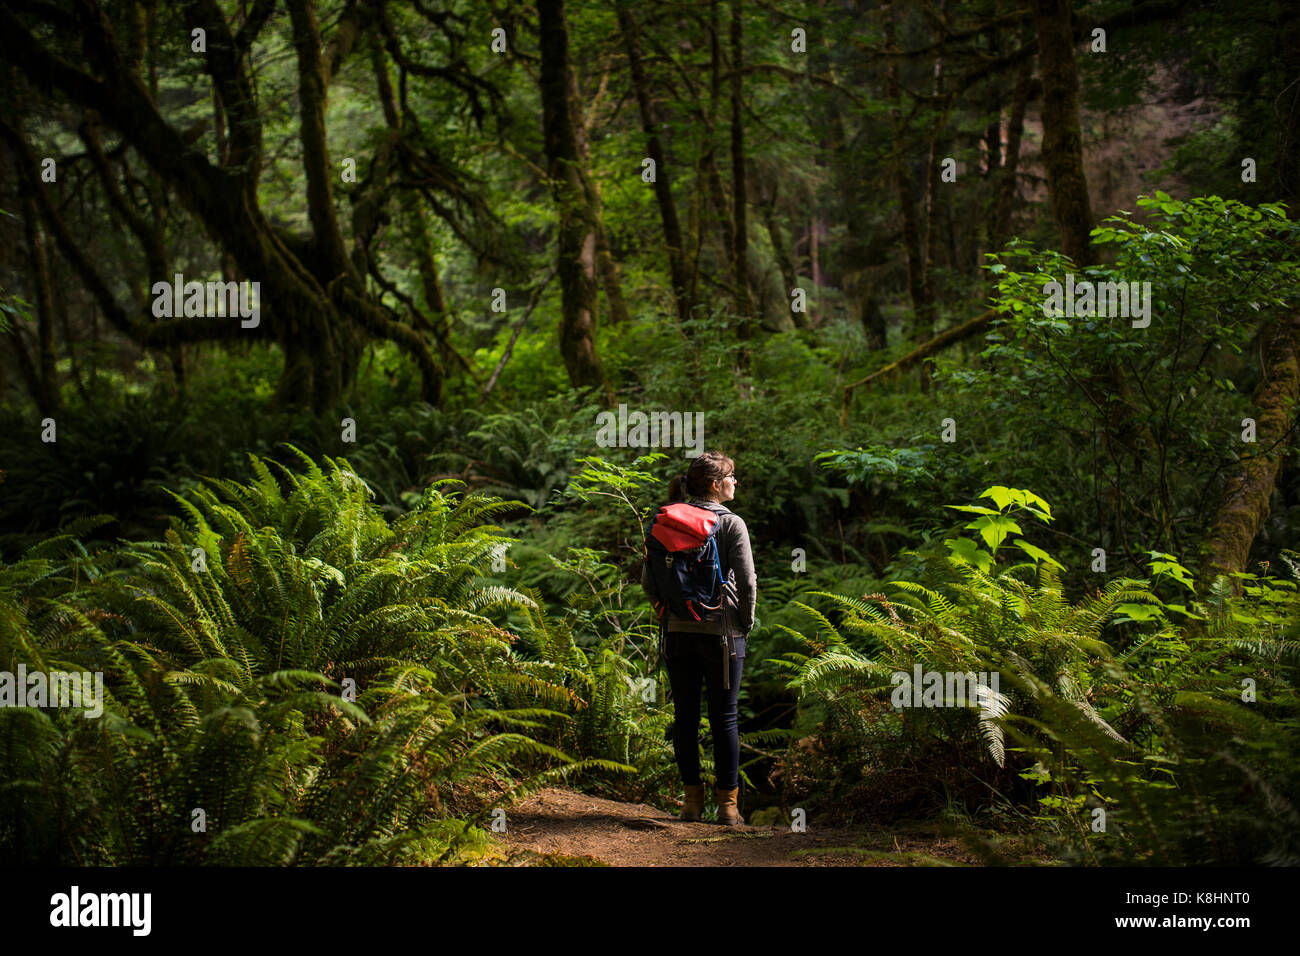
(789, 278)
(1062, 138)
(1107, 385)
(859, 260)
(678, 268)
(1245, 502)
(720, 219)
(65, 325)
(925, 319)
(1288, 166)
(606, 268)
(47, 394)
(1002, 221)
(740, 244)
(918, 284)
(578, 223)
(815, 268)
(873, 320)
(993, 132)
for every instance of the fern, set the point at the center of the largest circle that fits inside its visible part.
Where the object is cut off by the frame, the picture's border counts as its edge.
(1157, 735)
(225, 647)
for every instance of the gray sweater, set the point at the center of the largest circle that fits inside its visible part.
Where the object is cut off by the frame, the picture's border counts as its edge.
(740, 590)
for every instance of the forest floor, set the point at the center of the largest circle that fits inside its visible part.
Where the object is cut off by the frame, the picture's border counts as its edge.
(561, 827)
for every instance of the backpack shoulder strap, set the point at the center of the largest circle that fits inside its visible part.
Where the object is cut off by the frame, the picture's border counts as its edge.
(721, 512)
(714, 507)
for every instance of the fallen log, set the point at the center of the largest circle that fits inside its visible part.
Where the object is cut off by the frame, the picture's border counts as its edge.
(937, 344)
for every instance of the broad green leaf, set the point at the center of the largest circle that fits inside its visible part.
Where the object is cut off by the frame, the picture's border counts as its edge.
(965, 549)
(994, 529)
(1037, 553)
(1137, 612)
(1001, 496)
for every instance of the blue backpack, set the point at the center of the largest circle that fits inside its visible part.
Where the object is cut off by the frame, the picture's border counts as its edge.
(681, 549)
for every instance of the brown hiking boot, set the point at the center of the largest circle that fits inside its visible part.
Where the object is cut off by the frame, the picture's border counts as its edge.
(728, 811)
(693, 805)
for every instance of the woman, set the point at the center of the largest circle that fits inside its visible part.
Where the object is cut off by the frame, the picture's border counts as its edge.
(694, 650)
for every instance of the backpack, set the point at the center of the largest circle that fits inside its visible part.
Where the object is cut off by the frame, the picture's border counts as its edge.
(681, 549)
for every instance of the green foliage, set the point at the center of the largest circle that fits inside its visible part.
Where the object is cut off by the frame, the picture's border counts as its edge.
(604, 479)
(111, 458)
(525, 454)
(1133, 422)
(890, 469)
(605, 635)
(615, 694)
(225, 648)
(1158, 736)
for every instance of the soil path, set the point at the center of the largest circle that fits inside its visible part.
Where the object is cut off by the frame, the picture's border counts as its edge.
(555, 824)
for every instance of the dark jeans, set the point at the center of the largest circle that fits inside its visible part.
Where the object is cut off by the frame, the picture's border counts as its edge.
(694, 660)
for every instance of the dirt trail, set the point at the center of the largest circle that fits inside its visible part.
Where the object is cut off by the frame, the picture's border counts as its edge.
(556, 824)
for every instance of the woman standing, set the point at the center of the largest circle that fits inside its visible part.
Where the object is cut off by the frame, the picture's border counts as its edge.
(711, 653)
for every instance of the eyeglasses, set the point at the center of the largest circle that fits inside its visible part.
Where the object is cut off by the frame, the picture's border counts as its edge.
(732, 476)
